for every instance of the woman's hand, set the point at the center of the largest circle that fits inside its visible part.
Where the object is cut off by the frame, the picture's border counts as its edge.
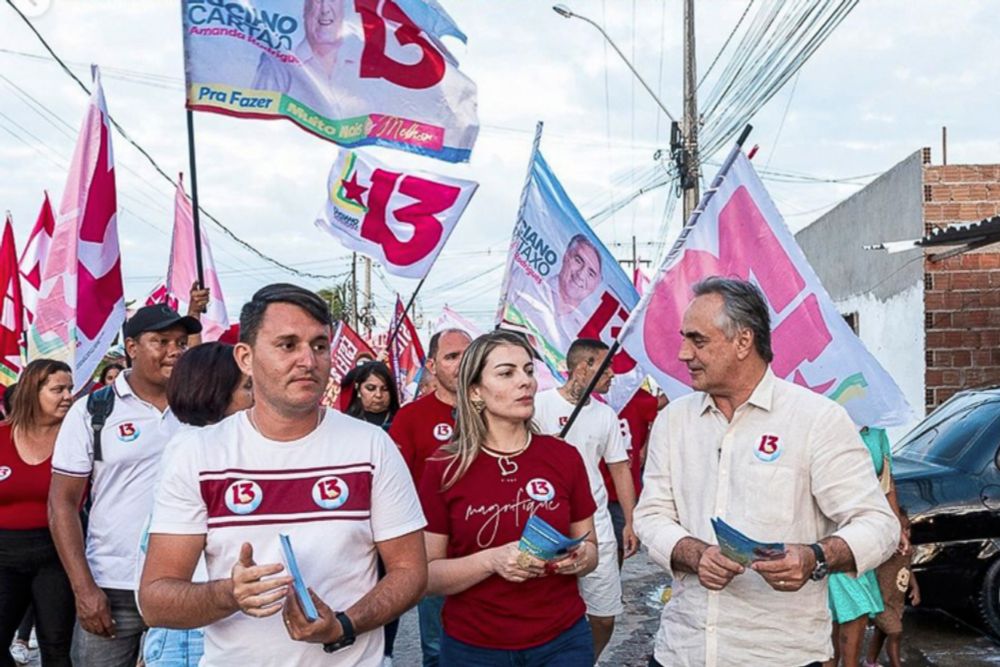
(579, 562)
(513, 564)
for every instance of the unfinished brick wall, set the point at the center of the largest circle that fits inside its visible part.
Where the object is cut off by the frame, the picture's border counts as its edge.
(962, 293)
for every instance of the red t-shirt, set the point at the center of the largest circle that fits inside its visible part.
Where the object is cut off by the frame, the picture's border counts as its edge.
(419, 429)
(24, 488)
(483, 510)
(639, 413)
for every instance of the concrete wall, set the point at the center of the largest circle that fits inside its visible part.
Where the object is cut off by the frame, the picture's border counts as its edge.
(886, 291)
(890, 208)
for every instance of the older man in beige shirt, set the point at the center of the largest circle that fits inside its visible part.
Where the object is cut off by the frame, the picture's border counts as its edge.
(776, 461)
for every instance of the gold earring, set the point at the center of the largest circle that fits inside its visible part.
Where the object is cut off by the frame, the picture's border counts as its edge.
(478, 405)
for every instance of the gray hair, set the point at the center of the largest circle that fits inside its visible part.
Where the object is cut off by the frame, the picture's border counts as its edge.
(743, 307)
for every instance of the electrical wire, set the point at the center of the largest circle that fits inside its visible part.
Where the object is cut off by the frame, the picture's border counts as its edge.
(142, 151)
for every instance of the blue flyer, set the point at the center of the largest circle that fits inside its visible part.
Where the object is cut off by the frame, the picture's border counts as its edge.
(545, 542)
(305, 600)
(738, 547)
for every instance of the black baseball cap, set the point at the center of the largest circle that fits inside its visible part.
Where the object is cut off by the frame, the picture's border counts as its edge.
(157, 318)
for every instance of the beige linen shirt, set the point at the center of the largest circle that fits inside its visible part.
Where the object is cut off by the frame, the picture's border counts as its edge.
(790, 467)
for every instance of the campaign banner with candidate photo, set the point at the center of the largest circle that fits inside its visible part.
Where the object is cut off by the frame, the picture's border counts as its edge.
(563, 284)
(354, 72)
(400, 219)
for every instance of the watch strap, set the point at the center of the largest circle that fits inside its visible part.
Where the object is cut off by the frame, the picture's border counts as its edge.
(346, 635)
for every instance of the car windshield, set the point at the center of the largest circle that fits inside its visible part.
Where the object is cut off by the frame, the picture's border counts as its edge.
(949, 435)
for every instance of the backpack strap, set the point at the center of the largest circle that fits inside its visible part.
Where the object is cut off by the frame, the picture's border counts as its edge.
(99, 405)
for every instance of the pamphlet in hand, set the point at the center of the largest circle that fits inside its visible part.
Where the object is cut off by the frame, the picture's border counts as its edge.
(305, 600)
(545, 542)
(738, 547)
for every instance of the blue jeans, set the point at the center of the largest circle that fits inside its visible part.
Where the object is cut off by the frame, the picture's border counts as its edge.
(573, 648)
(173, 648)
(429, 613)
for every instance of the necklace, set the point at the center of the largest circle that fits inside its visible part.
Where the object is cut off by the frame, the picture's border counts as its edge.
(507, 466)
(253, 422)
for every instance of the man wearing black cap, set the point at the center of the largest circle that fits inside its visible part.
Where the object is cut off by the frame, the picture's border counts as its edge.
(120, 465)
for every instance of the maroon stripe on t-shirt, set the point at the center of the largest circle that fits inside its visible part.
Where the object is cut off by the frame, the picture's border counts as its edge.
(240, 493)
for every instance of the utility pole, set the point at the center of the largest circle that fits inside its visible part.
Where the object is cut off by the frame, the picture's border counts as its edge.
(690, 173)
(635, 261)
(368, 297)
(354, 290)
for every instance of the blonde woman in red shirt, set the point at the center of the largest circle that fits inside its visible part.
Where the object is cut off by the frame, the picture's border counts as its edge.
(501, 604)
(30, 571)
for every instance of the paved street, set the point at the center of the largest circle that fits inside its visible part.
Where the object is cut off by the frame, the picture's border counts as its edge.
(933, 639)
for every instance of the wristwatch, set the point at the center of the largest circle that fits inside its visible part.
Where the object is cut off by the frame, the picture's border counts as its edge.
(821, 568)
(347, 634)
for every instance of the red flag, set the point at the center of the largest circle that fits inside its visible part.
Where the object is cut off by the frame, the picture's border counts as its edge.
(81, 302)
(345, 349)
(407, 354)
(12, 317)
(33, 257)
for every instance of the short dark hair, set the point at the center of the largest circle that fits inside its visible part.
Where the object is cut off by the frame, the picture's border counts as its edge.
(744, 307)
(358, 376)
(432, 348)
(581, 349)
(202, 383)
(252, 314)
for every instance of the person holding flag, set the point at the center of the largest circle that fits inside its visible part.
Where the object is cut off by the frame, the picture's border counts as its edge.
(597, 435)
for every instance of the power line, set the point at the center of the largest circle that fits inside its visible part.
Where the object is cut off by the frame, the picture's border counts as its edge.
(159, 170)
(732, 32)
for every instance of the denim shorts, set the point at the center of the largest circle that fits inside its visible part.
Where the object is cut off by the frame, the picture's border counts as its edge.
(173, 648)
(573, 648)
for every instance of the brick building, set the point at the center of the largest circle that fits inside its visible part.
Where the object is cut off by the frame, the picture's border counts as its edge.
(931, 314)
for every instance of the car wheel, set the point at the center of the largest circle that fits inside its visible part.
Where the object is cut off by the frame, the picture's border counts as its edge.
(989, 599)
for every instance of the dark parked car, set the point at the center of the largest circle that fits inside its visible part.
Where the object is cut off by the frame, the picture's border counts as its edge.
(948, 478)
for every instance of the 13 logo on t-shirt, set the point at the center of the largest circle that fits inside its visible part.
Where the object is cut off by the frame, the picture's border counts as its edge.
(540, 490)
(768, 449)
(330, 492)
(5, 472)
(443, 432)
(244, 496)
(128, 432)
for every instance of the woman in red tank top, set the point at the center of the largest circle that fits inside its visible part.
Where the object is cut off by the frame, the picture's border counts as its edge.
(30, 571)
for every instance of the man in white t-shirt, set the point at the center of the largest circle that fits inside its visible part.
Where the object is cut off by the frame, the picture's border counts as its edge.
(336, 486)
(121, 472)
(597, 434)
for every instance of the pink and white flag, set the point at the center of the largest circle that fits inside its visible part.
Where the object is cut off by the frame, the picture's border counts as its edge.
(11, 309)
(183, 271)
(740, 233)
(81, 301)
(33, 257)
(400, 219)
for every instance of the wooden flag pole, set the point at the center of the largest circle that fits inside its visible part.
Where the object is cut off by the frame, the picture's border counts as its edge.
(194, 201)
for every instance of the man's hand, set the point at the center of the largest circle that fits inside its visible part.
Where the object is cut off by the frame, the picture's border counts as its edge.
(791, 572)
(254, 595)
(94, 613)
(323, 630)
(715, 571)
(198, 302)
(630, 543)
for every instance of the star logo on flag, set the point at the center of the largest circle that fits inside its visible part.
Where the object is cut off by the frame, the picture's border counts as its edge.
(353, 190)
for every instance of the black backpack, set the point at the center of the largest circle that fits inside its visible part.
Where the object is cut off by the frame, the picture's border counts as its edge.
(99, 405)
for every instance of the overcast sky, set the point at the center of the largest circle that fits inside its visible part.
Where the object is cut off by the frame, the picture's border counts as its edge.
(880, 88)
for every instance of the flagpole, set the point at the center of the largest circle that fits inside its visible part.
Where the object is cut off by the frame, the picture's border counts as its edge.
(695, 214)
(399, 323)
(194, 201)
(520, 214)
